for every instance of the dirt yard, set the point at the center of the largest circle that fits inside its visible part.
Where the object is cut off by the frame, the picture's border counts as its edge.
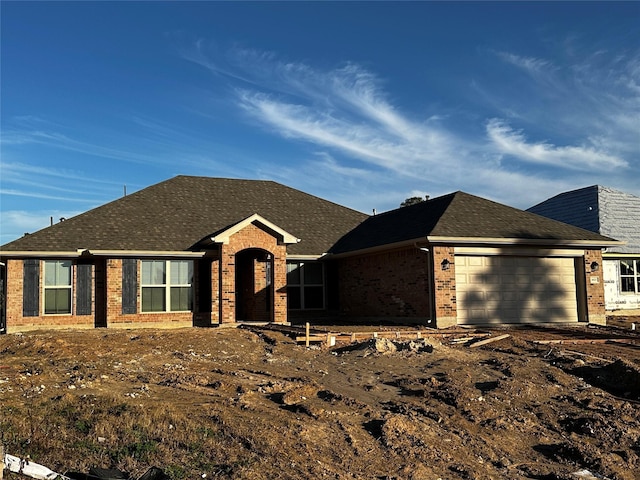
(236, 403)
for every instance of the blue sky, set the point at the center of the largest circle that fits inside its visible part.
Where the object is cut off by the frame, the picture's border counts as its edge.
(364, 104)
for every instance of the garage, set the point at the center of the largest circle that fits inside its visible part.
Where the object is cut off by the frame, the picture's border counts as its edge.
(515, 289)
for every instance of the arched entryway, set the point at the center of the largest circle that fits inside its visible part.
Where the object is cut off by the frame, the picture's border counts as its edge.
(254, 285)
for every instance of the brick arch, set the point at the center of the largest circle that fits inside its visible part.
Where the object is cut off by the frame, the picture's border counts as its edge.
(254, 242)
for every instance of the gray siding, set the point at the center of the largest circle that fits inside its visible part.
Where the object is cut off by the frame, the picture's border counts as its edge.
(620, 219)
(599, 209)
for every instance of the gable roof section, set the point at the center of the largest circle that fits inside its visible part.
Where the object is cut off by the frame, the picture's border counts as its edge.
(175, 215)
(600, 209)
(282, 236)
(463, 218)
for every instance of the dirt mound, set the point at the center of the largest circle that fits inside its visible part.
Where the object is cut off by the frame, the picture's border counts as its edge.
(620, 377)
(241, 405)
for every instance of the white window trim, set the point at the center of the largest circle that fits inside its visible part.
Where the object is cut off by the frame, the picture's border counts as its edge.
(166, 286)
(46, 287)
(635, 276)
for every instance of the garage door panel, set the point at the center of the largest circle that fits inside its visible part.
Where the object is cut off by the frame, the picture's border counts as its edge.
(515, 289)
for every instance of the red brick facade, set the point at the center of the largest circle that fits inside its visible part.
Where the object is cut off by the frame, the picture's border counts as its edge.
(14, 303)
(406, 283)
(264, 277)
(595, 287)
(445, 286)
(252, 237)
(393, 284)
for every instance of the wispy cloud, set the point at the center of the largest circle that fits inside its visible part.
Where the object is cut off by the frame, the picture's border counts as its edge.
(347, 111)
(531, 65)
(510, 142)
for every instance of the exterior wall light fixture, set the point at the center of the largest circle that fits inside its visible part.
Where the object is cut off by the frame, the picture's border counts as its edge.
(595, 266)
(445, 264)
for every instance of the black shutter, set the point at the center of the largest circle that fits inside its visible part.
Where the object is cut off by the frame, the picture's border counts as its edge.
(83, 289)
(129, 285)
(31, 288)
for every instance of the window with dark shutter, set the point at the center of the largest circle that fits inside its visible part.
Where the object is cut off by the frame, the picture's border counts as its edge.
(129, 286)
(31, 288)
(83, 289)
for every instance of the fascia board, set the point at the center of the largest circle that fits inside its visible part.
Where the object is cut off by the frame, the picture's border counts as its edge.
(437, 240)
(145, 253)
(418, 242)
(42, 254)
(306, 257)
(100, 253)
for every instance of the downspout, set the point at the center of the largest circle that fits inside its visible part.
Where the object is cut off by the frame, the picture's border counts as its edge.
(430, 282)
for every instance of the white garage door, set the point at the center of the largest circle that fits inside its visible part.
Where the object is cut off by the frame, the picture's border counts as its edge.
(503, 289)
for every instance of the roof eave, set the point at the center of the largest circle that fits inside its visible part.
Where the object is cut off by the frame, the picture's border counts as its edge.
(417, 242)
(83, 252)
(442, 240)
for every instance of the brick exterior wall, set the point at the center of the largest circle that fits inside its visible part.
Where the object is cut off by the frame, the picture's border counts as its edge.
(393, 284)
(15, 319)
(252, 237)
(445, 287)
(223, 291)
(595, 288)
(115, 317)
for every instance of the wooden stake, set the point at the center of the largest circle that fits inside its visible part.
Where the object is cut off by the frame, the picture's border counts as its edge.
(490, 340)
(306, 342)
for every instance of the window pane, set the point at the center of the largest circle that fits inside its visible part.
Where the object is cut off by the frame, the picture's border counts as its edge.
(49, 273)
(57, 272)
(626, 284)
(57, 301)
(181, 272)
(626, 267)
(180, 299)
(153, 272)
(313, 297)
(153, 299)
(293, 298)
(293, 274)
(63, 273)
(313, 274)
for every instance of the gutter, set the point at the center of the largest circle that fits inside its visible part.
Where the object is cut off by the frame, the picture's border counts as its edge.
(549, 242)
(479, 241)
(83, 252)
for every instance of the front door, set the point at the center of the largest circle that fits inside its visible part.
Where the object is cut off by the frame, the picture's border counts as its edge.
(254, 286)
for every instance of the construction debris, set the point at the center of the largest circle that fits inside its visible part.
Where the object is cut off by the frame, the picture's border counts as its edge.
(24, 466)
(31, 469)
(490, 340)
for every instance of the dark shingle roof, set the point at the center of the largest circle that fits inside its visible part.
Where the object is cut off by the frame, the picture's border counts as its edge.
(176, 214)
(459, 215)
(578, 207)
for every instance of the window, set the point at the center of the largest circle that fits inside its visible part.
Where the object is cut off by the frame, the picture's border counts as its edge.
(166, 285)
(630, 276)
(57, 287)
(305, 285)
